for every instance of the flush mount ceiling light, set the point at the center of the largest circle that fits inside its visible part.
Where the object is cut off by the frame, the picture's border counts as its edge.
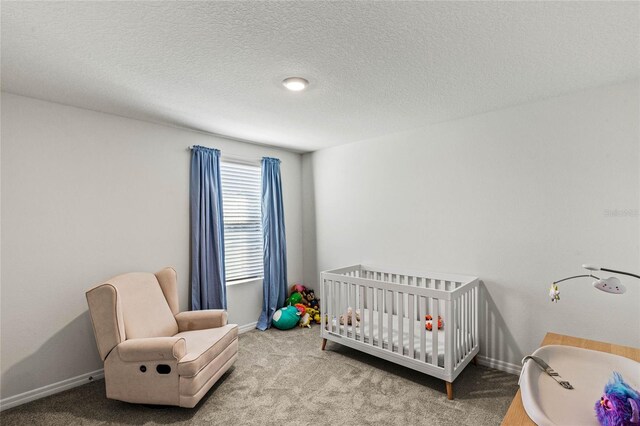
(295, 84)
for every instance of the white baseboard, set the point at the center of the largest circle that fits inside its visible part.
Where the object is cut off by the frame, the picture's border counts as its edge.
(247, 327)
(47, 390)
(507, 367)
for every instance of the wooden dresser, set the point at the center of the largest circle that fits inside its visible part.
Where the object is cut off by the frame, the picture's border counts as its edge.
(516, 414)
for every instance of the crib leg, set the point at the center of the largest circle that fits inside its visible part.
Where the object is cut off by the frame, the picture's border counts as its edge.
(324, 343)
(475, 360)
(449, 391)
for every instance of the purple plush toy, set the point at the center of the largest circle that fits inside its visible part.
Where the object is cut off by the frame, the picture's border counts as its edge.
(619, 404)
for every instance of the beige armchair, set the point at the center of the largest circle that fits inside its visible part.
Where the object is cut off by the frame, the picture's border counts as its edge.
(152, 354)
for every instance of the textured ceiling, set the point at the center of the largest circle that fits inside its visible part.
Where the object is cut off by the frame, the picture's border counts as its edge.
(375, 67)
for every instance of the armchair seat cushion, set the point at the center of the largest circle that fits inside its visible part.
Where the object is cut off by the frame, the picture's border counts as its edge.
(203, 346)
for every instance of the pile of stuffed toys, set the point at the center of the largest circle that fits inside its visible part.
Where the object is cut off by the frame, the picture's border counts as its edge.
(300, 308)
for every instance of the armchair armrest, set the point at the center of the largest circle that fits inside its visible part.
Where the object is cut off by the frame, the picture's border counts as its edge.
(200, 320)
(152, 349)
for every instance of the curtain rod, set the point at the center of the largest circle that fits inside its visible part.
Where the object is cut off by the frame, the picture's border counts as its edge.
(235, 158)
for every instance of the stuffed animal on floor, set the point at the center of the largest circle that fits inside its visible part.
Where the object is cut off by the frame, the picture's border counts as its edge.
(304, 297)
(286, 318)
(305, 321)
(619, 405)
(312, 312)
(311, 300)
(297, 288)
(429, 322)
(295, 297)
(350, 316)
(301, 308)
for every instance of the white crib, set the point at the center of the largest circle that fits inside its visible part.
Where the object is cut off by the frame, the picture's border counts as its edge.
(392, 307)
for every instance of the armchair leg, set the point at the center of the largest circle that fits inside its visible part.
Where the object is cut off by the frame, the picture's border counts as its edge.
(324, 343)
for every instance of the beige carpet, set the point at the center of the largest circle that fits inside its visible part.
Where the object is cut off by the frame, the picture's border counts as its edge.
(282, 377)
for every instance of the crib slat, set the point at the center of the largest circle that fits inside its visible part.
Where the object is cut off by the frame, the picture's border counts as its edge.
(336, 306)
(401, 323)
(370, 305)
(462, 347)
(380, 312)
(448, 336)
(434, 328)
(343, 308)
(346, 286)
(471, 318)
(325, 307)
(412, 321)
(472, 325)
(454, 331)
(331, 304)
(347, 304)
(423, 330)
(470, 332)
(467, 328)
(463, 334)
(475, 316)
(362, 316)
(338, 310)
(460, 354)
(457, 331)
(390, 330)
(352, 304)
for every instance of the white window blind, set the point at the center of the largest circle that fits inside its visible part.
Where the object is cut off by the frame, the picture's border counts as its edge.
(241, 198)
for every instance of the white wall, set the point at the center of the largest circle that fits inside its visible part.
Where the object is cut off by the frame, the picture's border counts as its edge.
(517, 197)
(86, 196)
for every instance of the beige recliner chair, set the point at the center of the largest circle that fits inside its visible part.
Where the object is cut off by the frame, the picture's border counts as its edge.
(152, 354)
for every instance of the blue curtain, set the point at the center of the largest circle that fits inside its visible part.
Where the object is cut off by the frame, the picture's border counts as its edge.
(208, 289)
(275, 248)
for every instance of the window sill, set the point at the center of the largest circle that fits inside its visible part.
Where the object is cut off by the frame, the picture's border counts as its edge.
(245, 281)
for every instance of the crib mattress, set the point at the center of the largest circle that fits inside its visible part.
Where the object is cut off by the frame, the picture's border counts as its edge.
(417, 329)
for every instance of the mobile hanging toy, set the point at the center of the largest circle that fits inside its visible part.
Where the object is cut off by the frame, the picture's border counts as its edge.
(611, 285)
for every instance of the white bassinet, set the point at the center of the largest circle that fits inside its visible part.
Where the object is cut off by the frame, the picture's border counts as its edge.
(391, 308)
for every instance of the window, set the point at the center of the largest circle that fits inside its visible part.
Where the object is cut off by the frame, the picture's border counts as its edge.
(241, 198)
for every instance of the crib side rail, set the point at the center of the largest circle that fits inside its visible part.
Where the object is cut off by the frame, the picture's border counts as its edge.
(409, 275)
(399, 285)
(352, 271)
(388, 317)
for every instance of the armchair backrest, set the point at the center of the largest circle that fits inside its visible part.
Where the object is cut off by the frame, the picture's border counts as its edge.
(134, 305)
